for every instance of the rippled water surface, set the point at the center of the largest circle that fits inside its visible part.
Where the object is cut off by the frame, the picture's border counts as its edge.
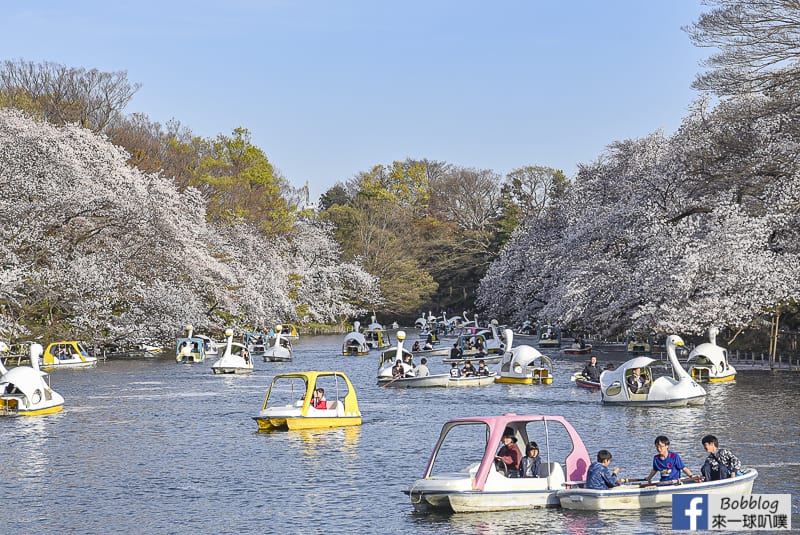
(151, 446)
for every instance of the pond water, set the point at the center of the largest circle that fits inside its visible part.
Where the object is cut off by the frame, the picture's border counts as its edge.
(151, 446)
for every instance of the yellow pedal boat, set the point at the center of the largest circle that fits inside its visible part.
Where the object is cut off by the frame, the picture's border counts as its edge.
(290, 402)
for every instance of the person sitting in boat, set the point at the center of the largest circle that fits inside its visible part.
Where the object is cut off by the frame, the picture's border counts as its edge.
(318, 400)
(637, 382)
(468, 370)
(509, 455)
(482, 370)
(245, 355)
(398, 371)
(592, 370)
(667, 463)
(530, 464)
(454, 371)
(599, 476)
(422, 370)
(455, 351)
(721, 463)
(408, 365)
(429, 342)
(416, 347)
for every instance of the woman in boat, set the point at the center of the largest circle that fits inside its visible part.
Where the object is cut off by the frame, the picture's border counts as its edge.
(592, 370)
(599, 476)
(397, 370)
(416, 347)
(510, 455)
(318, 400)
(721, 463)
(667, 463)
(530, 464)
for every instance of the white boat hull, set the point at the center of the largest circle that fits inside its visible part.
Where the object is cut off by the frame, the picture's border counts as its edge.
(632, 497)
(478, 380)
(430, 381)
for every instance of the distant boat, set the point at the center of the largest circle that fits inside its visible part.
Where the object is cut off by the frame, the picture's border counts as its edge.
(280, 349)
(354, 342)
(708, 362)
(524, 365)
(67, 354)
(235, 358)
(549, 336)
(24, 391)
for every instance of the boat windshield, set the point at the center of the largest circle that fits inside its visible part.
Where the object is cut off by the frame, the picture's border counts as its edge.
(462, 448)
(287, 391)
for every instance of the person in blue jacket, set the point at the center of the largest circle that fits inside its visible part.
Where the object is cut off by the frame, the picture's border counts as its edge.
(600, 476)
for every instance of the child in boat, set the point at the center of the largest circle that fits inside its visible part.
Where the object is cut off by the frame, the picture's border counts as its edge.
(667, 463)
(529, 467)
(482, 371)
(454, 371)
(510, 455)
(721, 463)
(599, 476)
(468, 370)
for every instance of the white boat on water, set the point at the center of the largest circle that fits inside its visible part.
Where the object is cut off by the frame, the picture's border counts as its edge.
(653, 495)
(66, 354)
(376, 336)
(409, 379)
(464, 475)
(672, 390)
(280, 349)
(472, 380)
(355, 343)
(194, 347)
(524, 365)
(24, 390)
(708, 362)
(256, 343)
(235, 358)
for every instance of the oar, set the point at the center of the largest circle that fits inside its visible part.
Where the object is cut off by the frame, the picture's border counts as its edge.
(693, 479)
(384, 385)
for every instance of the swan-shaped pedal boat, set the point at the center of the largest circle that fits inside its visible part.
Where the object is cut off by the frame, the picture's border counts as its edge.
(24, 391)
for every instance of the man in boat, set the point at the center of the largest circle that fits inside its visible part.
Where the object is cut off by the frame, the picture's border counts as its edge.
(667, 463)
(422, 370)
(600, 476)
(483, 371)
(510, 455)
(592, 370)
(468, 370)
(721, 463)
(638, 383)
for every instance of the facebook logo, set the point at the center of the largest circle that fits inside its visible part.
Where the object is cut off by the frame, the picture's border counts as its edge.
(690, 511)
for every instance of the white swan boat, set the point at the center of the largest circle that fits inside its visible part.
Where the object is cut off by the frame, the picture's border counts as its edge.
(673, 390)
(524, 365)
(234, 359)
(653, 495)
(355, 343)
(708, 362)
(409, 380)
(24, 391)
(280, 349)
(376, 336)
(256, 343)
(462, 474)
(66, 354)
(194, 347)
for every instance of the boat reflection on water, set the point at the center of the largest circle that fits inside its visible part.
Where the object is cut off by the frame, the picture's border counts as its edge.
(320, 442)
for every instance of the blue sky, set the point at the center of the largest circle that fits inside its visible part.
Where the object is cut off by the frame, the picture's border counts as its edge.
(331, 88)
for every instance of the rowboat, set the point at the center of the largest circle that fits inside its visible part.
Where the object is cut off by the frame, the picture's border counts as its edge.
(524, 365)
(652, 495)
(585, 350)
(472, 380)
(671, 390)
(288, 403)
(409, 379)
(462, 474)
(582, 381)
